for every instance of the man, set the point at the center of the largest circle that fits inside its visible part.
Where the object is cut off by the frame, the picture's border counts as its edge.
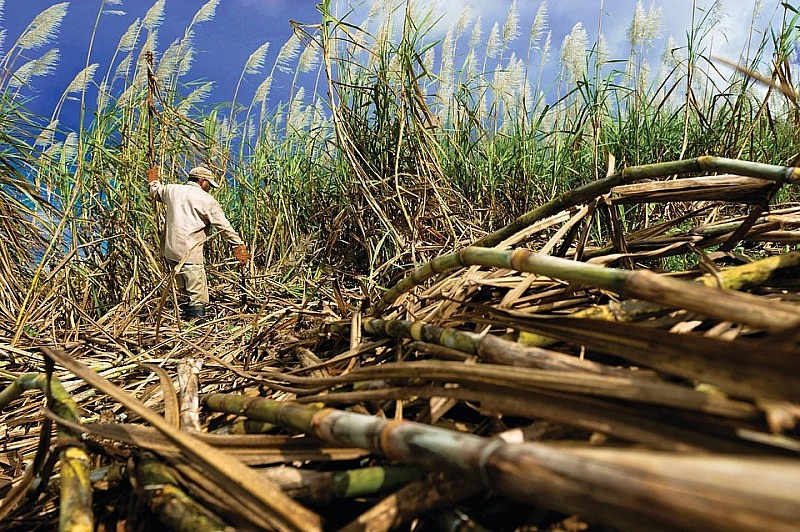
(191, 212)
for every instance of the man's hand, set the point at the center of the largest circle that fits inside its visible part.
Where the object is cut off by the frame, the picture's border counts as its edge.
(152, 174)
(241, 253)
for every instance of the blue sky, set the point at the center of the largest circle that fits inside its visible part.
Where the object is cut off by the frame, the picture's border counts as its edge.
(240, 26)
(223, 44)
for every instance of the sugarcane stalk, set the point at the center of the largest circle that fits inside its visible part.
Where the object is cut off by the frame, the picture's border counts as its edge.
(75, 508)
(243, 300)
(151, 109)
(323, 487)
(741, 367)
(736, 278)
(726, 305)
(188, 369)
(248, 426)
(173, 507)
(626, 422)
(414, 499)
(628, 388)
(705, 163)
(266, 504)
(703, 236)
(488, 348)
(618, 487)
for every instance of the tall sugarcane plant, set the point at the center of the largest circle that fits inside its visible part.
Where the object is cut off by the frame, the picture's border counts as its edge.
(442, 231)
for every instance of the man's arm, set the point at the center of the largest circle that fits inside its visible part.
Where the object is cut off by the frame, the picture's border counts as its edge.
(220, 222)
(217, 219)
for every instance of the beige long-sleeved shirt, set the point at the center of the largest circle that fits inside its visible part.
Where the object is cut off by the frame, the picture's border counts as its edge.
(190, 211)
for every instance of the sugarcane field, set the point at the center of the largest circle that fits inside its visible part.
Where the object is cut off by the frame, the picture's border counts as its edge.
(404, 266)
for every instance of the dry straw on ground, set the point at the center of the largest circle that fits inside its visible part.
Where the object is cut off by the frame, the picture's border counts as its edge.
(564, 374)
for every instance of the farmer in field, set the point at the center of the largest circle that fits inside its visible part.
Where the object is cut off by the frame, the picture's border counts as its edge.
(191, 212)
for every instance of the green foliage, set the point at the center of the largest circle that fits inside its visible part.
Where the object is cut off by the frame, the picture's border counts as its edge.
(386, 160)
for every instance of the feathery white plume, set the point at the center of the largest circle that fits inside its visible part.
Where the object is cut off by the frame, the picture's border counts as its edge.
(308, 59)
(429, 59)
(128, 39)
(446, 71)
(546, 47)
(514, 80)
(717, 13)
(168, 63)
(102, 97)
(298, 117)
(185, 56)
(43, 28)
(124, 66)
(645, 26)
(150, 44)
(374, 10)
(177, 59)
(255, 62)
(448, 51)
(196, 97)
(154, 16)
(511, 26)
(539, 25)
(70, 149)
(41, 66)
(223, 131)
(288, 53)
(573, 51)
(319, 122)
(262, 92)
(136, 87)
(493, 44)
(464, 19)
(82, 79)
(469, 67)
(206, 12)
(380, 43)
(476, 35)
(602, 49)
(117, 12)
(671, 56)
(635, 32)
(47, 136)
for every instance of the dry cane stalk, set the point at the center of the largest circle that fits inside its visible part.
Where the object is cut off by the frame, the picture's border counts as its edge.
(261, 501)
(726, 305)
(627, 488)
(735, 278)
(173, 507)
(75, 512)
(706, 163)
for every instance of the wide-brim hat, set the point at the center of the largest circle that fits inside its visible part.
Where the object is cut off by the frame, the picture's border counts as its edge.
(201, 172)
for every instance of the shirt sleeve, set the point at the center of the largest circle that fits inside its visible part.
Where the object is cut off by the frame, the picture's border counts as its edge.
(156, 188)
(217, 219)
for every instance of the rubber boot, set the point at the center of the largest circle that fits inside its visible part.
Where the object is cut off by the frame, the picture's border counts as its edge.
(193, 311)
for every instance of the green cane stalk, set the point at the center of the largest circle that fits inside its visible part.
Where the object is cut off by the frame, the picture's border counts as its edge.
(609, 485)
(75, 511)
(718, 303)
